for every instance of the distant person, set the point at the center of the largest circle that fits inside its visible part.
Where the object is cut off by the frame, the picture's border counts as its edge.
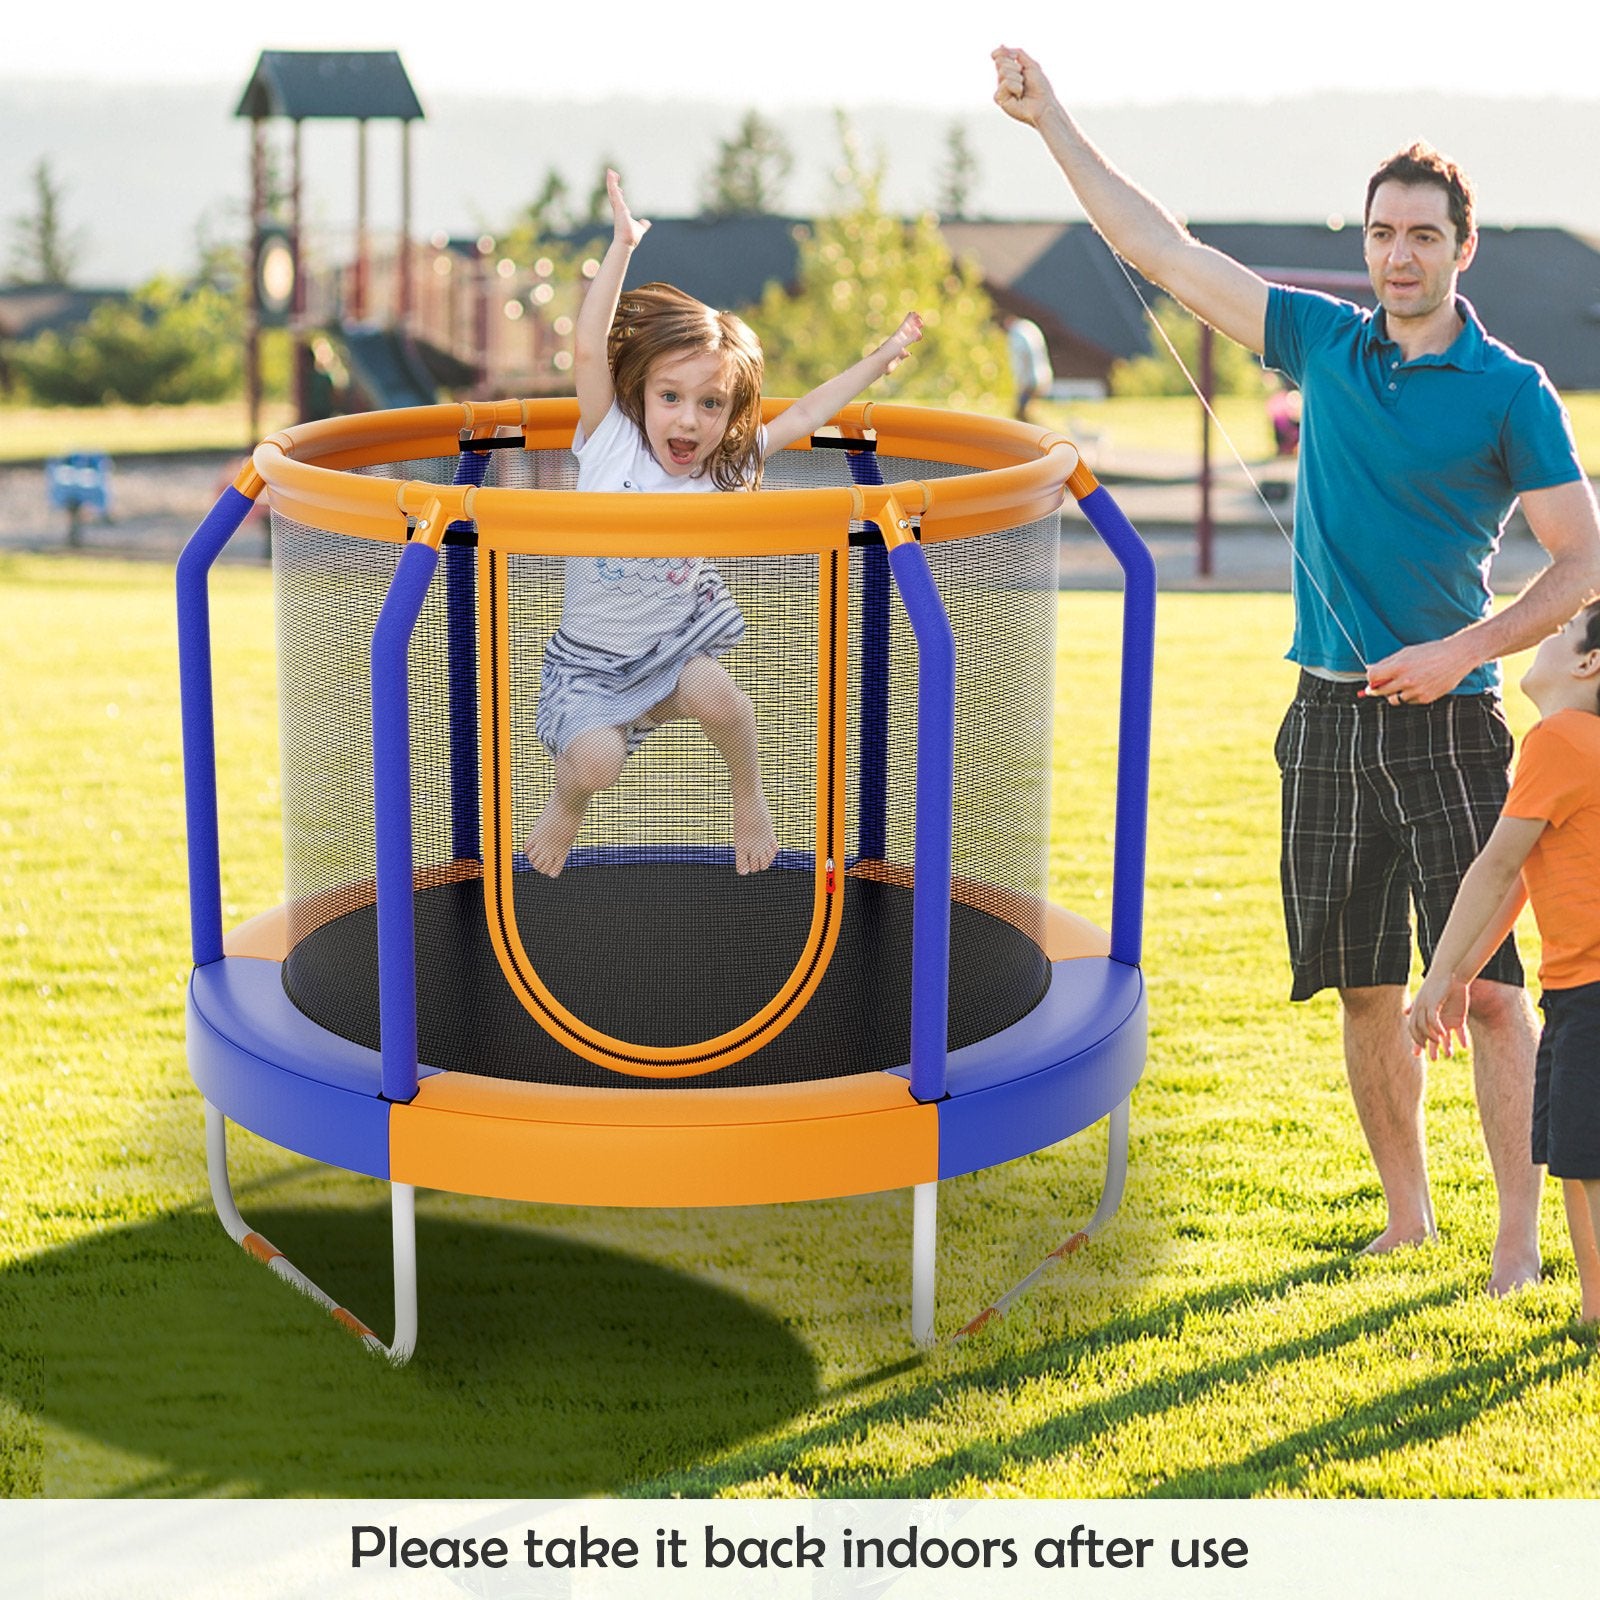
(1420, 433)
(669, 401)
(1030, 362)
(1545, 848)
(1283, 413)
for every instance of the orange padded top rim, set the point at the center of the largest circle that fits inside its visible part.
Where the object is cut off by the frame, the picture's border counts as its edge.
(1020, 476)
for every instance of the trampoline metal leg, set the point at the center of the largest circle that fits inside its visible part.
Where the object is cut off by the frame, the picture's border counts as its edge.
(1110, 1199)
(924, 1254)
(403, 1205)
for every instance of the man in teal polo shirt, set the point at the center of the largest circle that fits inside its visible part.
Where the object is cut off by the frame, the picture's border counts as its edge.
(1419, 434)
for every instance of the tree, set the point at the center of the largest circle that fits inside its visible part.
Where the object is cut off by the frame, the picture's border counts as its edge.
(860, 270)
(597, 209)
(750, 170)
(959, 175)
(1234, 370)
(42, 250)
(221, 256)
(166, 344)
(550, 211)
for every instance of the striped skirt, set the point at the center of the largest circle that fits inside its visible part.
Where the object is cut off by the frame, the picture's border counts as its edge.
(583, 687)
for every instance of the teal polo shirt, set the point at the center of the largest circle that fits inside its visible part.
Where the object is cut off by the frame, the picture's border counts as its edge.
(1408, 471)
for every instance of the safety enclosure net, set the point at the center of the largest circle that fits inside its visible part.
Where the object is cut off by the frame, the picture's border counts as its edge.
(649, 939)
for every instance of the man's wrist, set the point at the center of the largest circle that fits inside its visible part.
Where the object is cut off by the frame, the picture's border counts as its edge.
(1053, 118)
(1473, 653)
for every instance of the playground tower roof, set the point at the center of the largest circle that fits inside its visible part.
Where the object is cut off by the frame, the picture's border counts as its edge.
(348, 84)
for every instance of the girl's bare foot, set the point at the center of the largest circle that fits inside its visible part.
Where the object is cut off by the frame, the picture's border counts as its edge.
(553, 836)
(755, 845)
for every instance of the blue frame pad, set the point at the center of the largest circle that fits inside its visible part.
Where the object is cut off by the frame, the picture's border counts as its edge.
(242, 1032)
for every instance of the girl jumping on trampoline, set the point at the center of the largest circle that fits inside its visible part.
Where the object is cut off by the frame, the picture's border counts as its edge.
(669, 401)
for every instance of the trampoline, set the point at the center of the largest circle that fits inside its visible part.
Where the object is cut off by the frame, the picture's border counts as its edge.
(893, 1002)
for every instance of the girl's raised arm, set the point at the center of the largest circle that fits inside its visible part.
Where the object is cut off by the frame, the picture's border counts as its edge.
(591, 370)
(808, 414)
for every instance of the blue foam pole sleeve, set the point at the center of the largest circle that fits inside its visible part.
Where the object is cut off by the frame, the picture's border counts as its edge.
(461, 653)
(873, 793)
(1133, 733)
(935, 820)
(391, 799)
(199, 724)
(461, 649)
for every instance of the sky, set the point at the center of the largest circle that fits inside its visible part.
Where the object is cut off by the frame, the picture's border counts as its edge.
(520, 89)
(889, 53)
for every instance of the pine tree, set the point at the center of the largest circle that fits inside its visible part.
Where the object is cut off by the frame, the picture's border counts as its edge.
(597, 208)
(42, 251)
(749, 173)
(550, 211)
(959, 175)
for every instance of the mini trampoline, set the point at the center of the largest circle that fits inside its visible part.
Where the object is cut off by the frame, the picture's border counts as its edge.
(893, 1002)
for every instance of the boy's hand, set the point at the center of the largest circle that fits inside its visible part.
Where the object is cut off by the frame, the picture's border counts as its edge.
(901, 340)
(1437, 1018)
(628, 229)
(1022, 89)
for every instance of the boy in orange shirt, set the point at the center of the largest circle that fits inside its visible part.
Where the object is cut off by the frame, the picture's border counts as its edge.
(1545, 848)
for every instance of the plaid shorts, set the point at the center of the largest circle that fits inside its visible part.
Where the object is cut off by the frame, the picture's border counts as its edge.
(1384, 809)
(1566, 1083)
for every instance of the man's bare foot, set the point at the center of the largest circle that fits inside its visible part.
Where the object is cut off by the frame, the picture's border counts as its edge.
(1511, 1271)
(755, 845)
(553, 836)
(1393, 1238)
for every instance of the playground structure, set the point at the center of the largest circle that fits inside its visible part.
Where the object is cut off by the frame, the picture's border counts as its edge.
(895, 1001)
(402, 318)
(403, 322)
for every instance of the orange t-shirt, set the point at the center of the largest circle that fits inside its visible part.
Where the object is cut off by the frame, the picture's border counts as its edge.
(1558, 782)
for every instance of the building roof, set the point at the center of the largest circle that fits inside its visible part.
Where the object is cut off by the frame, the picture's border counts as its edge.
(724, 261)
(31, 309)
(1536, 289)
(354, 84)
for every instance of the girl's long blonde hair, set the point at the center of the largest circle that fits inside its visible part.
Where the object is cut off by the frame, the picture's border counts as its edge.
(656, 320)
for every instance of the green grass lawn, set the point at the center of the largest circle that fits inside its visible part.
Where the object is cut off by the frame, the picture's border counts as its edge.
(29, 432)
(1170, 424)
(1220, 1338)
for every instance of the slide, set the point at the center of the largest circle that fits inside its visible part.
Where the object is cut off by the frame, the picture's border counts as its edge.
(385, 366)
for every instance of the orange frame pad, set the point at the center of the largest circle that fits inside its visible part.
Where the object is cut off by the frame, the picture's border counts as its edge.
(1021, 476)
(689, 1147)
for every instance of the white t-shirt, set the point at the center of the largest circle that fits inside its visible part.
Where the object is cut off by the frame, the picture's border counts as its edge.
(1030, 355)
(624, 604)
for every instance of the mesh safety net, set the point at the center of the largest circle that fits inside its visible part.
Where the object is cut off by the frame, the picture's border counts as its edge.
(648, 935)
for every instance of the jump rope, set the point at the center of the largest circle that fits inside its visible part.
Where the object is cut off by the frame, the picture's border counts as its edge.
(998, 1307)
(1227, 438)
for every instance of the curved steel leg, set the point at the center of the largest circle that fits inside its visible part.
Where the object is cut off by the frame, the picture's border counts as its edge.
(1110, 1199)
(403, 1206)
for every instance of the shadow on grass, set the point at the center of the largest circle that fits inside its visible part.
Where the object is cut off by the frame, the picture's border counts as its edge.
(1431, 1409)
(1434, 1407)
(545, 1367)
